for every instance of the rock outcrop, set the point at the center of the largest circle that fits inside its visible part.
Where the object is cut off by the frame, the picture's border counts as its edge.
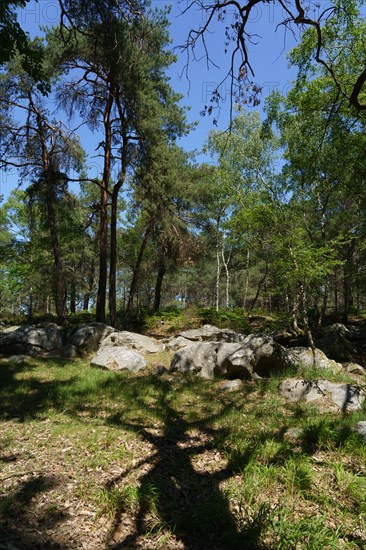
(86, 339)
(117, 358)
(44, 339)
(132, 340)
(255, 356)
(345, 396)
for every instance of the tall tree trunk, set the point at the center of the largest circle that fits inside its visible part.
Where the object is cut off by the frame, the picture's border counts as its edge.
(304, 304)
(90, 280)
(324, 305)
(226, 262)
(103, 228)
(347, 281)
(218, 265)
(295, 314)
(50, 175)
(259, 287)
(136, 272)
(246, 283)
(113, 243)
(73, 297)
(60, 288)
(159, 281)
(113, 262)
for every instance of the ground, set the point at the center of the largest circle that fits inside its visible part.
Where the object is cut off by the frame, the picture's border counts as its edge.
(96, 460)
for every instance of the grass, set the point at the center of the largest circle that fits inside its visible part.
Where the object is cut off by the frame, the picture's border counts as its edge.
(95, 459)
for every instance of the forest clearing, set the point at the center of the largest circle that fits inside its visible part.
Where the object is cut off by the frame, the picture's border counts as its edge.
(182, 322)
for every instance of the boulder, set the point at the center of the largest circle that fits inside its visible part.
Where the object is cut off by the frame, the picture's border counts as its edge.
(209, 333)
(199, 358)
(255, 357)
(343, 343)
(117, 358)
(176, 343)
(132, 340)
(86, 339)
(45, 338)
(345, 396)
(304, 357)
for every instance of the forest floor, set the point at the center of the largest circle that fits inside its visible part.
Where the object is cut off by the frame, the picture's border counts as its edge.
(95, 460)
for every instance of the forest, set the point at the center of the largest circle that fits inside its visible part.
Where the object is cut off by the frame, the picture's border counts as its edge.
(274, 221)
(182, 332)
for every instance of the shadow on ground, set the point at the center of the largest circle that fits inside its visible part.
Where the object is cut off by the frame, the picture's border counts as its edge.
(26, 533)
(175, 496)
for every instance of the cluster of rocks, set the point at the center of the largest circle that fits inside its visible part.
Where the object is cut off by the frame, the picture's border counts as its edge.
(208, 352)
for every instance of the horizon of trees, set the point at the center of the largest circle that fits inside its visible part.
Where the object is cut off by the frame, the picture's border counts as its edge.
(158, 229)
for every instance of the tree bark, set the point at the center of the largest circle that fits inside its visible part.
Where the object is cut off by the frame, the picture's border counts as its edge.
(246, 284)
(114, 215)
(136, 272)
(73, 297)
(159, 281)
(103, 228)
(259, 287)
(218, 265)
(347, 281)
(60, 288)
(90, 280)
(226, 262)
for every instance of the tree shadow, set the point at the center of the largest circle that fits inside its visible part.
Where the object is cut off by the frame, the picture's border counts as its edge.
(178, 496)
(17, 530)
(28, 397)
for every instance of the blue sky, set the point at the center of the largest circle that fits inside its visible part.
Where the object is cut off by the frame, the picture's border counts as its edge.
(268, 58)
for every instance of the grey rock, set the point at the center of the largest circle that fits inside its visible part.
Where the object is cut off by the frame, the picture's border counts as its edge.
(230, 385)
(176, 343)
(18, 359)
(345, 396)
(304, 357)
(117, 358)
(199, 358)
(353, 368)
(361, 428)
(31, 340)
(256, 356)
(86, 339)
(209, 333)
(295, 390)
(132, 340)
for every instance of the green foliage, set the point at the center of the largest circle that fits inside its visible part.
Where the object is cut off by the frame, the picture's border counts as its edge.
(235, 319)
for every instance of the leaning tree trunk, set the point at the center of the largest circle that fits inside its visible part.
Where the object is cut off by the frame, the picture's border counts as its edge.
(259, 287)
